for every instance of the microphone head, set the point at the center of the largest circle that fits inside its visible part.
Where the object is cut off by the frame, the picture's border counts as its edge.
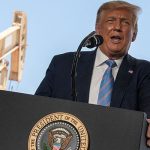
(94, 41)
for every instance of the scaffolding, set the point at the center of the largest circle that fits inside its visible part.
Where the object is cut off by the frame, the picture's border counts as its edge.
(13, 42)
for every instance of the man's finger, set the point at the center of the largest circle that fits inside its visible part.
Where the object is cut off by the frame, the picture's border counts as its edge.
(148, 120)
(148, 129)
(148, 142)
(148, 133)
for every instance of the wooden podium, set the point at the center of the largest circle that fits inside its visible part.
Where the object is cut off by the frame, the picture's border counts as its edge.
(107, 128)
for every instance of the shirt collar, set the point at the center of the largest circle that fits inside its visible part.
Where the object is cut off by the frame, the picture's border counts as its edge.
(101, 58)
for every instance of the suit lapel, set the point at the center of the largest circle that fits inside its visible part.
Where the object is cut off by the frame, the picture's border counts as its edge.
(84, 70)
(123, 78)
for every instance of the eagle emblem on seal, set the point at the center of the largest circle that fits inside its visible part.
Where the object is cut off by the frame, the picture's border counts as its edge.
(59, 138)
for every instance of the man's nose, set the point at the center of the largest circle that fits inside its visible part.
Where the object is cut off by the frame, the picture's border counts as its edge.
(117, 26)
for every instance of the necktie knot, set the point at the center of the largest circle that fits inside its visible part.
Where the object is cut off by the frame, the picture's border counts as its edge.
(111, 63)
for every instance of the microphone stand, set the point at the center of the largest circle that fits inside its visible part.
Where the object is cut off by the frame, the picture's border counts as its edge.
(74, 65)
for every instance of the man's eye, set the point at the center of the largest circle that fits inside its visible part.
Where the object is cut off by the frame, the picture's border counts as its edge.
(110, 21)
(126, 22)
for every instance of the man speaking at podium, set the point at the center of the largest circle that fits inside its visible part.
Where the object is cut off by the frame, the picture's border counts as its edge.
(108, 76)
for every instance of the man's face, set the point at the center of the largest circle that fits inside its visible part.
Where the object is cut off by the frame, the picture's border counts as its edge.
(117, 29)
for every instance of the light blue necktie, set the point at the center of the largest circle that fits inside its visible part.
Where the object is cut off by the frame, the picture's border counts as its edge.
(105, 92)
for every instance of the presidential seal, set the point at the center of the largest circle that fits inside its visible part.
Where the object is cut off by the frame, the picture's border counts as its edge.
(58, 131)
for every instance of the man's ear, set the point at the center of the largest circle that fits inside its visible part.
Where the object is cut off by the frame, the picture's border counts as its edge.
(134, 36)
(135, 32)
(97, 29)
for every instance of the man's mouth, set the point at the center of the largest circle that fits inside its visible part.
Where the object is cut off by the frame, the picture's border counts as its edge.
(116, 39)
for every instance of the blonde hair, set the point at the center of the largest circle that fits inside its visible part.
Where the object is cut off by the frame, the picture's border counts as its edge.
(113, 5)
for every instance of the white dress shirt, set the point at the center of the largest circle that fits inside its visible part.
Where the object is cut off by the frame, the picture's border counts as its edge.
(98, 71)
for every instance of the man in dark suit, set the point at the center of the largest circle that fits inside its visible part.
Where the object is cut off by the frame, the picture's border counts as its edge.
(117, 23)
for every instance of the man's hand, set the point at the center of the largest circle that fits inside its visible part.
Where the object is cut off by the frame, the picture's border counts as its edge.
(148, 133)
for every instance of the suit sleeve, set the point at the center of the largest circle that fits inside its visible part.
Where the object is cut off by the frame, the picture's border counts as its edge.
(144, 95)
(46, 86)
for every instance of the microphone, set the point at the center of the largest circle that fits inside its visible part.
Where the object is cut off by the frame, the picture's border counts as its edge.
(90, 41)
(94, 41)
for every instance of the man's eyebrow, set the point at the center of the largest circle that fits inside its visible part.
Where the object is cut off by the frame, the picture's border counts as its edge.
(122, 17)
(111, 17)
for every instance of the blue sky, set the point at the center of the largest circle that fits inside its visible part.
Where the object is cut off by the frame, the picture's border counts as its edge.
(58, 26)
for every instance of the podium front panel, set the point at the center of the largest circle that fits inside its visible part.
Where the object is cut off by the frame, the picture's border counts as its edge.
(108, 128)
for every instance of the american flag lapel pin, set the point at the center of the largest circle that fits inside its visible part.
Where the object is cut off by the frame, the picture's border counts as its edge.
(130, 71)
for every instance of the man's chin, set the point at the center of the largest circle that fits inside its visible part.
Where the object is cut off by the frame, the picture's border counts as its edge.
(116, 54)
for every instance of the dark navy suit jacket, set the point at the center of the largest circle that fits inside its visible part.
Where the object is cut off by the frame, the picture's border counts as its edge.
(131, 89)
